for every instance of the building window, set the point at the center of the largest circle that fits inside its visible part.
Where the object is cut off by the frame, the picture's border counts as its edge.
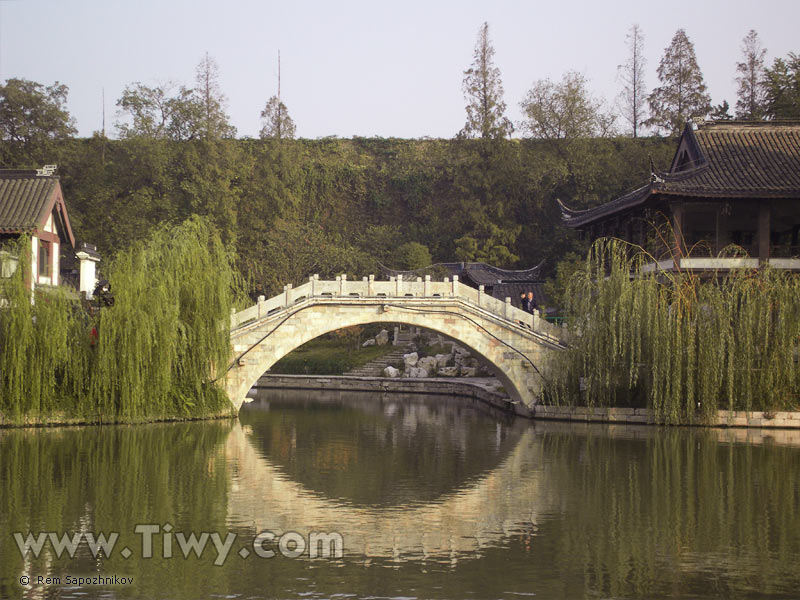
(45, 259)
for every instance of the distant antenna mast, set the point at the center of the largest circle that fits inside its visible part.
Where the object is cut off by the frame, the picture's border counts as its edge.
(104, 112)
(280, 117)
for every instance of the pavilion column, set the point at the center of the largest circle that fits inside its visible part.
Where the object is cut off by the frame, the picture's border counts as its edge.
(721, 229)
(763, 230)
(677, 228)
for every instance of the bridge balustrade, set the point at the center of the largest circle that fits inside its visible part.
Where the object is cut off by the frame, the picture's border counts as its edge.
(396, 288)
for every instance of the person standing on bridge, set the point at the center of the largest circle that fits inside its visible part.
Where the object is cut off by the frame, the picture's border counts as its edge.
(524, 303)
(531, 303)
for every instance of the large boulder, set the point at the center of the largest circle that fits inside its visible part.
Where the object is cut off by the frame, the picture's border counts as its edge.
(415, 372)
(390, 371)
(410, 360)
(428, 363)
(468, 371)
(442, 360)
(447, 371)
(382, 338)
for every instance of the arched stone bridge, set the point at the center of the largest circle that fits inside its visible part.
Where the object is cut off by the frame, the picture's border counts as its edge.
(516, 344)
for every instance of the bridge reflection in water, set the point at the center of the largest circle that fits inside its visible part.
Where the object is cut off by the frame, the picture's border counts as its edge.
(406, 511)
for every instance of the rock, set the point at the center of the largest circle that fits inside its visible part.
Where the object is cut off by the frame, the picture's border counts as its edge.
(459, 351)
(390, 371)
(428, 363)
(410, 360)
(415, 372)
(442, 360)
(448, 371)
(368, 343)
(382, 338)
(472, 362)
(467, 371)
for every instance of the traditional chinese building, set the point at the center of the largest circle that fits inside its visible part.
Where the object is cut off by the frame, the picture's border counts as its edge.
(498, 283)
(32, 203)
(729, 183)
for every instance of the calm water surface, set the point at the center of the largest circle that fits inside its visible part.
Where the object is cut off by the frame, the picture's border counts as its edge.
(433, 498)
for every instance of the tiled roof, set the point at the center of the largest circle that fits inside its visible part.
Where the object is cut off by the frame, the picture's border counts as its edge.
(735, 160)
(480, 273)
(23, 199)
(742, 160)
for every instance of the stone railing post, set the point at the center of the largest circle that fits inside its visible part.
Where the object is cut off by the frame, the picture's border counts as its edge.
(480, 294)
(287, 290)
(233, 317)
(536, 322)
(454, 289)
(426, 289)
(507, 307)
(312, 280)
(338, 285)
(343, 285)
(371, 285)
(399, 285)
(260, 305)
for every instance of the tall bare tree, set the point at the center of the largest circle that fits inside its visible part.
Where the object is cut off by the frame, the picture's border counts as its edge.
(682, 93)
(483, 90)
(633, 96)
(215, 122)
(751, 93)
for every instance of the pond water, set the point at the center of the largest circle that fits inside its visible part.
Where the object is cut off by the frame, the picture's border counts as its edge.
(423, 497)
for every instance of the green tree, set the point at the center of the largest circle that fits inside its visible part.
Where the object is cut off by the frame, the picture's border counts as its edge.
(564, 110)
(32, 118)
(277, 122)
(215, 123)
(148, 108)
(412, 255)
(721, 112)
(750, 102)
(631, 73)
(782, 83)
(682, 93)
(483, 90)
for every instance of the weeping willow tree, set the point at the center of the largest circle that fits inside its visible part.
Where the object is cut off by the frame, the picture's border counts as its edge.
(42, 345)
(157, 350)
(679, 344)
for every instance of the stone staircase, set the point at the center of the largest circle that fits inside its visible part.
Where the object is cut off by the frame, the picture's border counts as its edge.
(374, 368)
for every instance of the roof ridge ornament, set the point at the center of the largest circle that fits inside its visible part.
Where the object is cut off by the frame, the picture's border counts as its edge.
(46, 171)
(654, 177)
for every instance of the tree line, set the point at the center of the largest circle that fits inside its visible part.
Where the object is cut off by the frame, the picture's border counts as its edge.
(292, 207)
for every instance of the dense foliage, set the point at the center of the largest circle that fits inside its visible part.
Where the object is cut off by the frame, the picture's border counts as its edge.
(676, 343)
(152, 355)
(297, 207)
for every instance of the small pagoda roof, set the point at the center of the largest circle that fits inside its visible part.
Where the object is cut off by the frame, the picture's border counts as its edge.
(720, 160)
(478, 272)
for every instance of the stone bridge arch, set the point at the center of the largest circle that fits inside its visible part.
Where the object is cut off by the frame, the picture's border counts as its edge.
(516, 344)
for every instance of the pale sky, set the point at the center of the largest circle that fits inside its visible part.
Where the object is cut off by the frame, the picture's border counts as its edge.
(365, 68)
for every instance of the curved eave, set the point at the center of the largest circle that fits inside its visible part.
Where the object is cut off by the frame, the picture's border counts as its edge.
(579, 218)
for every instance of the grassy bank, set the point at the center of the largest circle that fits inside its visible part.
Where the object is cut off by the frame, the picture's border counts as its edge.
(328, 355)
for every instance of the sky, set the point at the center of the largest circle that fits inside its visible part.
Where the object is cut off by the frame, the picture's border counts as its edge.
(368, 67)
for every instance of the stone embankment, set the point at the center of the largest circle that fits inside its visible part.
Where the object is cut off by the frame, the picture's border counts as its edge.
(485, 390)
(644, 416)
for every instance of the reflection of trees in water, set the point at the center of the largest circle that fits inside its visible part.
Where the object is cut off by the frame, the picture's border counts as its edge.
(674, 511)
(104, 479)
(380, 450)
